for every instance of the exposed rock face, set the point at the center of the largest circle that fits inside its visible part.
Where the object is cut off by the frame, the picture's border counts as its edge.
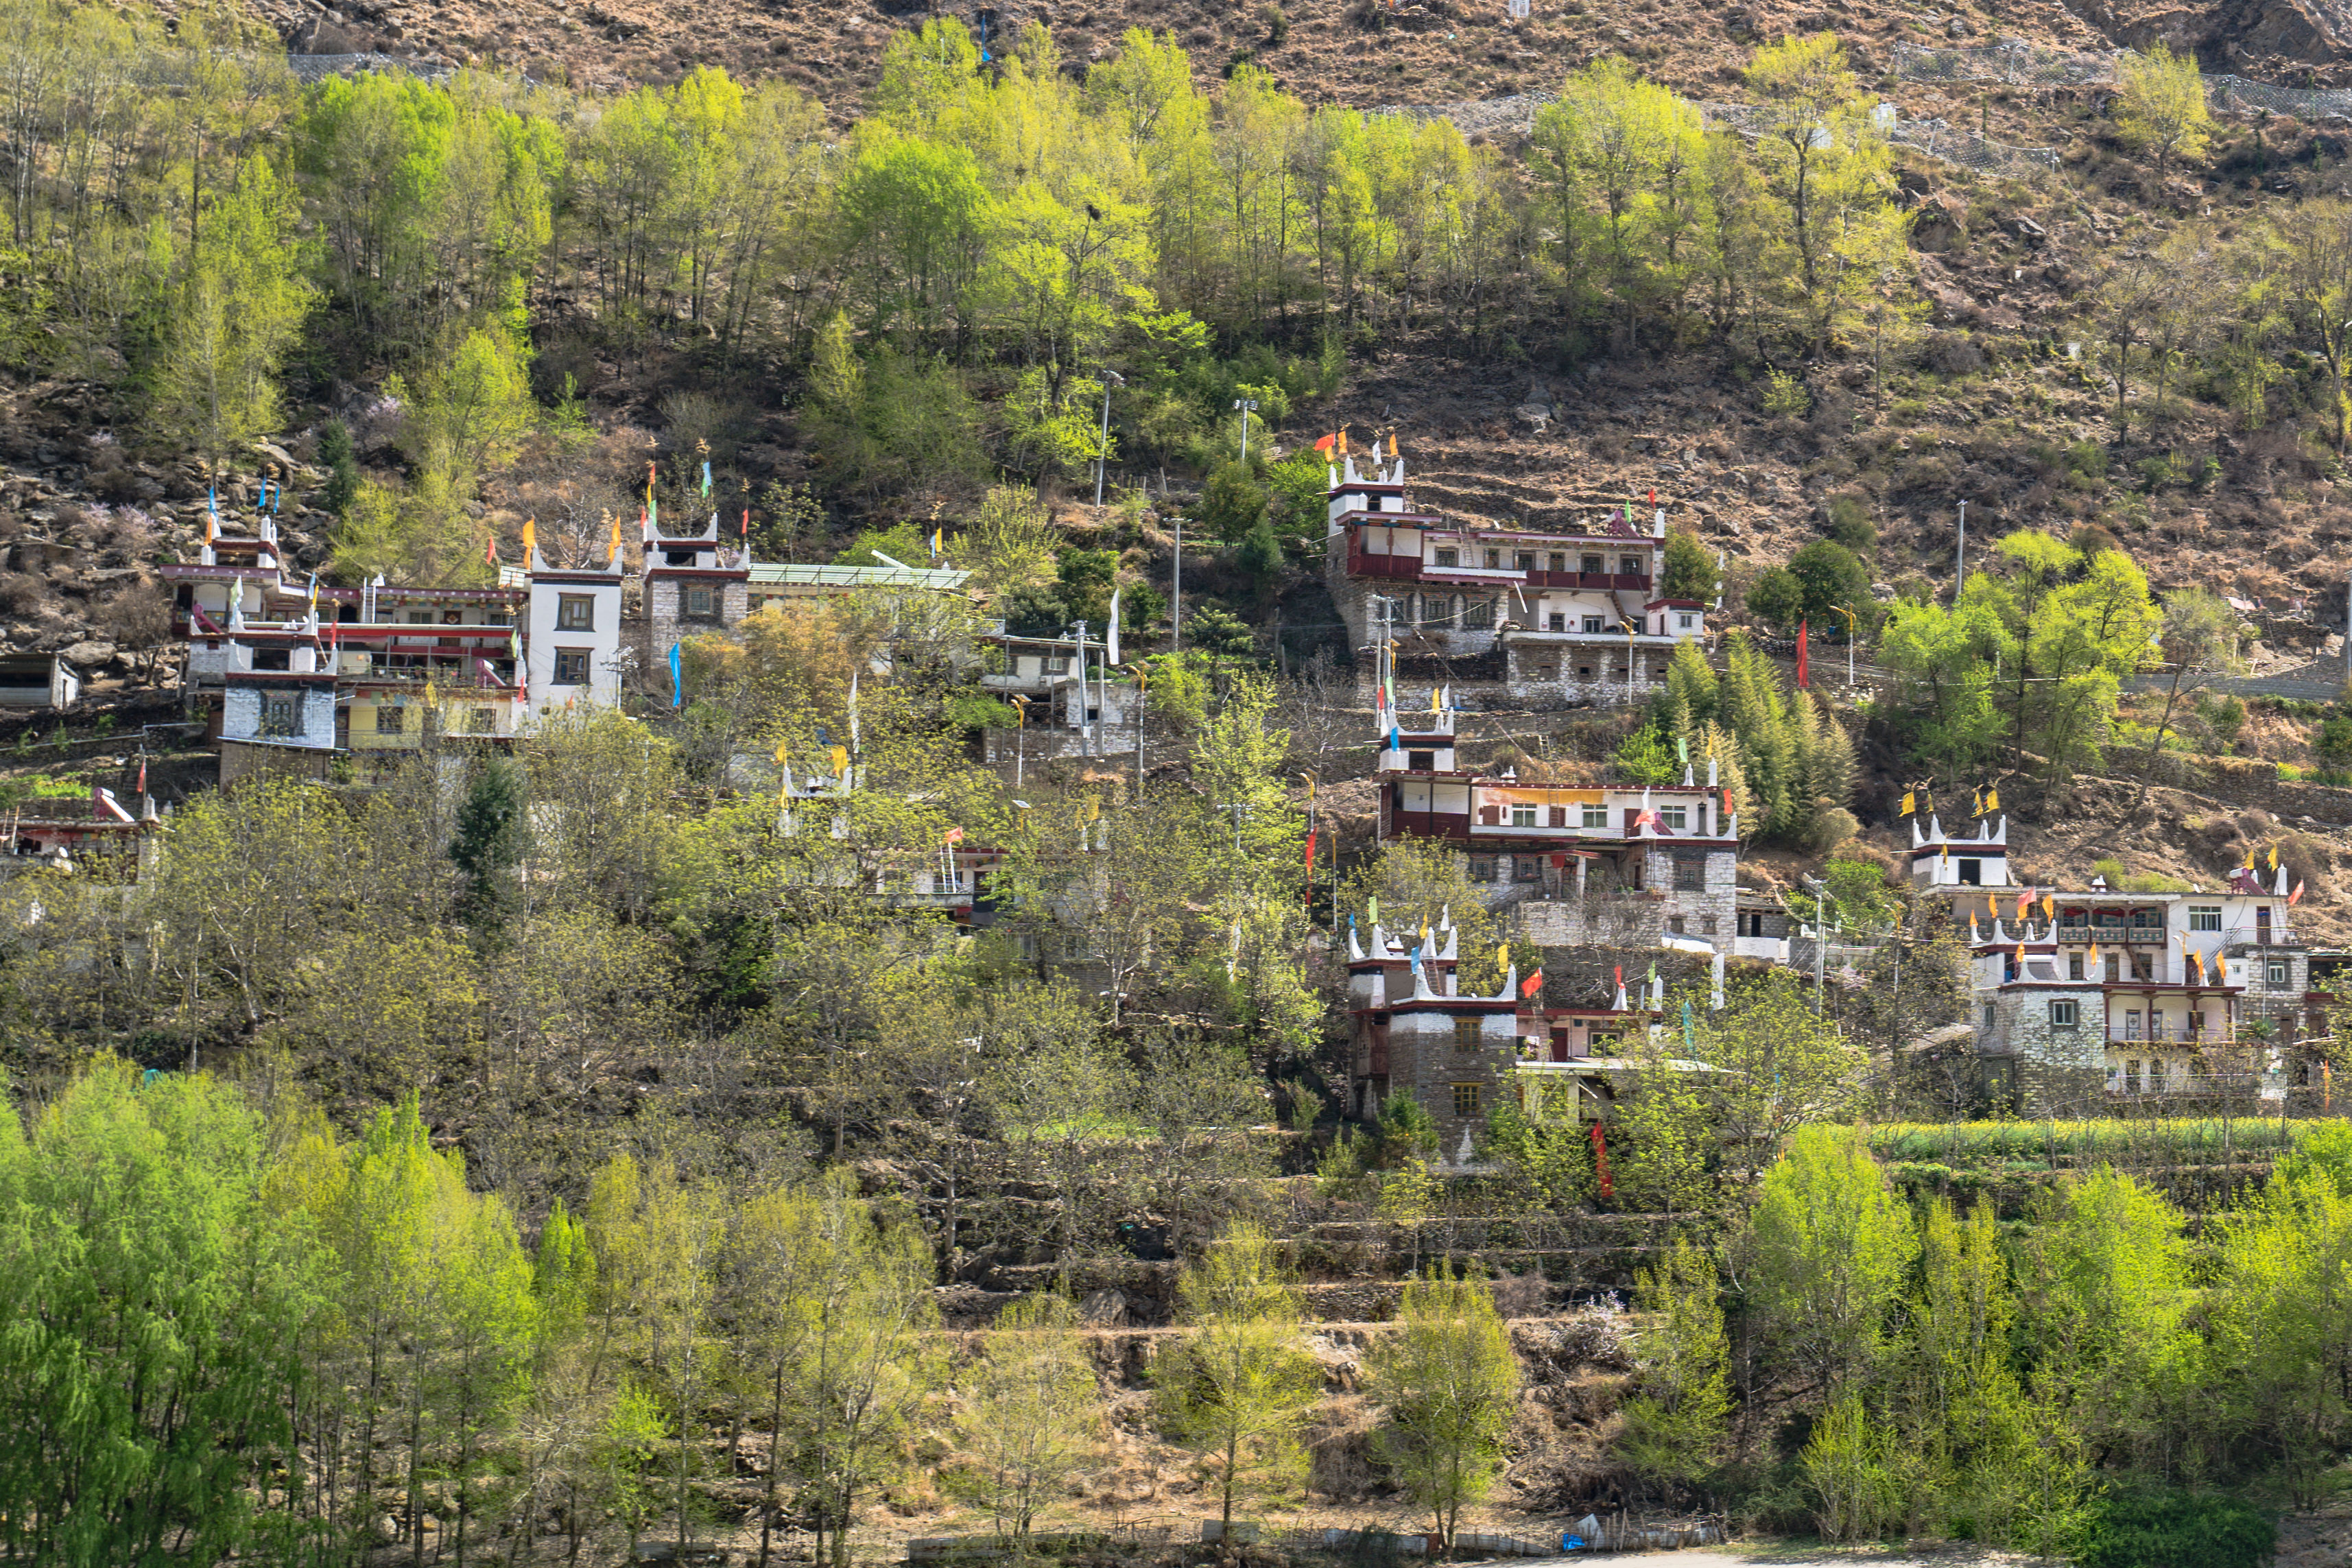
(2258, 37)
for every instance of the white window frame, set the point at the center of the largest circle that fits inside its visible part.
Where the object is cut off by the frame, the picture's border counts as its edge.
(2066, 1013)
(2204, 917)
(1595, 815)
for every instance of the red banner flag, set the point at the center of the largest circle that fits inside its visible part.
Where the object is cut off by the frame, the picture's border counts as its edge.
(1531, 985)
(1803, 629)
(1325, 444)
(1601, 1162)
(2297, 897)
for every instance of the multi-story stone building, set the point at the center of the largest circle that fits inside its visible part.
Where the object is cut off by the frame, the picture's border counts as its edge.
(1415, 1032)
(1572, 616)
(1577, 865)
(2096, 992)
(289, 668)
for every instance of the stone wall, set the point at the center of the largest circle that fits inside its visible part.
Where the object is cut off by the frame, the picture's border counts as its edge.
(2051, 1067)
(241, 711)
(665, 625)
(1591, 672)
(1424, 1062)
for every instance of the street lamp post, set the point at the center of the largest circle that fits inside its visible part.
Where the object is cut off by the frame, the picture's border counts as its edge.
(1102, 452)
(1248, 406)
(1961, 559)
(1822, 897)
(1853, 634)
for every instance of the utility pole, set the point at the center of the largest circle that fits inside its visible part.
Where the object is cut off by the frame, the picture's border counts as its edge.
(1176, 590)
(1102, 452)
(1961, 562)
(1086, 732)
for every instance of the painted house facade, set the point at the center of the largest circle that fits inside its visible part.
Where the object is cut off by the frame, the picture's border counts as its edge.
(2092, 993)
(296, 666)
(1567, 616)
(1576, 866)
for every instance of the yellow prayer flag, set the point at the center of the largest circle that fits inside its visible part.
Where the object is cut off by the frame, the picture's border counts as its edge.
(840, 761)
(2273, 857)
(1992, 797)
(2048, 908)
(529, 541)
(2094, 953)
(1910, 798)
(1393, 444)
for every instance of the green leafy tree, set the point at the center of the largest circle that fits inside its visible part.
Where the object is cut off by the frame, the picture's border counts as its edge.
(1821, 582)
(1829, 187)
(1942, 702)
(490, 837)
(1779, 1067)
(1676, 1427)
(1031, 1414)
(235, 312)
(1829, 1246)
(1448, 1381)
(1236, 1385)
(154, 1405)
(1691, 571)
(2160, 108)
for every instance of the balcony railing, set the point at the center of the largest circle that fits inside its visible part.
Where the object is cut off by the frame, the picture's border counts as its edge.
(1414, 568)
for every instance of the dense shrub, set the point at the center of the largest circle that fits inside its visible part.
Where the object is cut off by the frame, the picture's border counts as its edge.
(2177, 1529)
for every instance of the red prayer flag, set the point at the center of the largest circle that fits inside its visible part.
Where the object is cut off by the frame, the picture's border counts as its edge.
(747, 522)
(1531, 985)
(1803, 628)
(142, 776)
(1654, 494)
(1621, 977)
(1601, 1162)
(490, 552)
(2297, 897)
(1326, 444)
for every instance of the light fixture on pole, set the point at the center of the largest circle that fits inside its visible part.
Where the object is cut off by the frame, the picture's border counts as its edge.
(1248, 406)
(1102, 452)
(1961, 559)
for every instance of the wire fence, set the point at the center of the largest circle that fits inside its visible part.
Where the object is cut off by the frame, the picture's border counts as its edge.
(1479, 116)
(1936, 138)
(2019, 64)
(2011, 60)
(307, 68)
